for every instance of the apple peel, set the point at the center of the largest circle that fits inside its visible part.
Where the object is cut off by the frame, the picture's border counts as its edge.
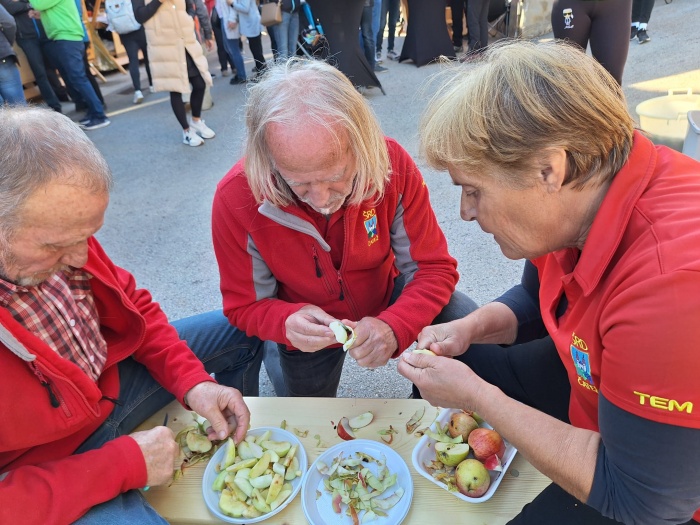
(413, 423)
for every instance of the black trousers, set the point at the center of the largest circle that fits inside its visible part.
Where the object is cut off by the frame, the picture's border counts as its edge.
(605, 25)
(458, 8)
(132, 43)
(641, 10)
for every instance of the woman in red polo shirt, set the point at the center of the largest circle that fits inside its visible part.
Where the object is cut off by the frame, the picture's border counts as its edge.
(597, 386)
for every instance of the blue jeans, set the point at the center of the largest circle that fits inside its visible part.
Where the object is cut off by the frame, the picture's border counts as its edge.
(392, 8)
(70, 54)
(317, 374)
(287, 35)
(367, 35)
(233, 357)
(35, 57)
(11, 90)
(233, 49)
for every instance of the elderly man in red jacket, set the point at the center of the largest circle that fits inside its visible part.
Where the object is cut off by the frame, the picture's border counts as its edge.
(83, 351)
(326, 219)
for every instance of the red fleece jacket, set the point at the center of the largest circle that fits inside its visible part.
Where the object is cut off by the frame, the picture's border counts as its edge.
(274, 261)
(42, 482)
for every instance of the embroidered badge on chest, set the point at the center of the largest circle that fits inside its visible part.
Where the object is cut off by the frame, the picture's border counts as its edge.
(370, 220)
(582, 362)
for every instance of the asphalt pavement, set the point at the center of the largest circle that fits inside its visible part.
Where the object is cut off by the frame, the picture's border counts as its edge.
(158, 221)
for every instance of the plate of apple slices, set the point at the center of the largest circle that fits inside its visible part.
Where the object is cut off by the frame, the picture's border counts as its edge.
(356, 482)
(464, 455)
(254, 480)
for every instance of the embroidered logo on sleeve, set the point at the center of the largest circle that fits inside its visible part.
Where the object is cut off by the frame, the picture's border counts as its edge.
(582, 363)
(370, 217)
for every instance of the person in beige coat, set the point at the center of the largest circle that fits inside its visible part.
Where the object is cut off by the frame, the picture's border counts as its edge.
(176, 57)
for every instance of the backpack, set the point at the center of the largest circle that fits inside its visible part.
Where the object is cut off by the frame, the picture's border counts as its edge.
(120, 14)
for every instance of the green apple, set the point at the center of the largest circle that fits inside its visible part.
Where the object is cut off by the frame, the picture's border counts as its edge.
(281, 448)
(451, 454)
(229, 456)
(472, 478)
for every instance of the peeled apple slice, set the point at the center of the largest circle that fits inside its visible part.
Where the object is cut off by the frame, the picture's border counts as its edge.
(343, 334)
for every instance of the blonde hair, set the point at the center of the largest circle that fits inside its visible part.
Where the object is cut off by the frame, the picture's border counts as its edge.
(302, 92)
(519, 100)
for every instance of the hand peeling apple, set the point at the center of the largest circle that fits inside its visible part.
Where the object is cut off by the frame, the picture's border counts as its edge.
(343, 334)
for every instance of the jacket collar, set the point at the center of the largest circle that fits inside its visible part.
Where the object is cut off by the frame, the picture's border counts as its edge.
(612, 219)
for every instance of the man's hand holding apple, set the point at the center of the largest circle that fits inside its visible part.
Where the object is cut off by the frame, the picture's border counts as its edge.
(448, 339)
(307, 329)
(223, 407)
(375, 342)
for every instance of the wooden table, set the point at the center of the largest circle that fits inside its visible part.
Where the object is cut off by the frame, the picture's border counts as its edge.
(182, 502)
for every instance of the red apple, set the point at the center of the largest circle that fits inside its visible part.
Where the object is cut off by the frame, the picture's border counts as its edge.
(485, 442)
(344, 430)
(472, 478)
(493, 462)
(461, 424)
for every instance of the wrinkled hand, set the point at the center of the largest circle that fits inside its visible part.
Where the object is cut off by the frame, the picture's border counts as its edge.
(446, 339)
(223, 407)
(209, 43)
(307, 329)
(442, 381)
(159, 451)
(374, 344)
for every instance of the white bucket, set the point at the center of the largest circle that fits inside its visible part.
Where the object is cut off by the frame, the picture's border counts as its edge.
(665, 118)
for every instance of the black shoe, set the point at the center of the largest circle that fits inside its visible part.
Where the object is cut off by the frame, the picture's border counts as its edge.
(237, 80)
(642, 36)
(633, 32)
(380, 69)
(96, 123)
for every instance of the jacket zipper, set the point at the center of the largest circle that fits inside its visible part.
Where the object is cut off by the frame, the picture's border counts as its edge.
(319, 273)
(340, 283)
(45, 383)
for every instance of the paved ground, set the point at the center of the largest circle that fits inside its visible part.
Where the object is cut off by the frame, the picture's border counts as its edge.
(157, 224)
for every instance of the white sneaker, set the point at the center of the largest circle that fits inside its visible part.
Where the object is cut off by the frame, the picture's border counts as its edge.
(378, 57)
(138, 97)
(151, 89)
(226, 73)
(201, 129)
(190, 138)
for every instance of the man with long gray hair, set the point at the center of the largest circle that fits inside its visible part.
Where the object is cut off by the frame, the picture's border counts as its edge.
(83, 351)
(327, 220)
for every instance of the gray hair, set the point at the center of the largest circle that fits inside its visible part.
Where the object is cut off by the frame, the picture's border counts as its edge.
(38, 146)
(299, 92)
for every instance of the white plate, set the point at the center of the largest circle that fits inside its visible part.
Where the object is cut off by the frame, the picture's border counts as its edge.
(211, 497)
(424, 453)
(319, 511)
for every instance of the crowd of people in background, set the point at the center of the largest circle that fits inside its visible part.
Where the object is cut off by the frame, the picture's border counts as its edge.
(55, 41)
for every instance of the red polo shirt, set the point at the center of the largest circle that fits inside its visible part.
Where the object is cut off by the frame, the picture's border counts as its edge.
(632, 327)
